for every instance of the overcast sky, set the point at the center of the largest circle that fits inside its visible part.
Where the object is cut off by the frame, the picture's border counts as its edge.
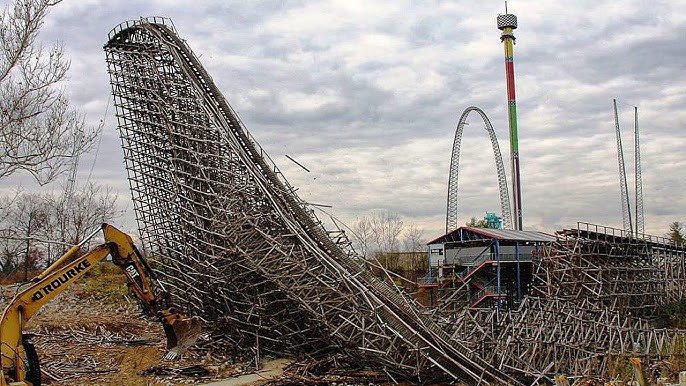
(367, 94)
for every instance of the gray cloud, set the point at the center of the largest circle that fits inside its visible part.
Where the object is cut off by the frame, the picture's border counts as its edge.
(367, 94)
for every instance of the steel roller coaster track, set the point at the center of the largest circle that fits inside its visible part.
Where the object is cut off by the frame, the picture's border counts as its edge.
(451, 221)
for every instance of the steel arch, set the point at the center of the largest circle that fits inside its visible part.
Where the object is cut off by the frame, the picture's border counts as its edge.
(451, 216)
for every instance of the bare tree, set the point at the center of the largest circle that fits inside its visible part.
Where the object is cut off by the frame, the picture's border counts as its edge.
(377, 235)
(10, 247)
(29, 219)
(413, 241)
(45, 223)
(75, 214)
(386, 227)
(676, 234)
(10, 252)
(39, 132)
(363, 236)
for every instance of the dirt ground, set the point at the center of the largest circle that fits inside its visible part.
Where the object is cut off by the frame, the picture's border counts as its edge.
(86, 340)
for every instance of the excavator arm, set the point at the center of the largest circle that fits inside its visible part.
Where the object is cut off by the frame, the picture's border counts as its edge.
(180, 330)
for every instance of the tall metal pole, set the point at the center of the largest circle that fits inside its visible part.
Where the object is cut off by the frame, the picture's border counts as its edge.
(507, 23)
(640, 222)
(623, 189)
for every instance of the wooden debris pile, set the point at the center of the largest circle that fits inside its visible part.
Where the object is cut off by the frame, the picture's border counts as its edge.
(102, 344)
(335, 369)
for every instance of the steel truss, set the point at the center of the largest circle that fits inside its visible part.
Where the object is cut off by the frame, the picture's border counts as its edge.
(236, 245)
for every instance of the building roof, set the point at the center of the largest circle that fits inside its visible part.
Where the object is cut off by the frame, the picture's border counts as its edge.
(466, 233)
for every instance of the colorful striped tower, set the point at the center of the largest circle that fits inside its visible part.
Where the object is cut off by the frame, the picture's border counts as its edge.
(507, 23)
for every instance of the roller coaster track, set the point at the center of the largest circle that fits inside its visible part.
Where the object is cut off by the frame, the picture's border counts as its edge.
(237, 246)
(451, 221)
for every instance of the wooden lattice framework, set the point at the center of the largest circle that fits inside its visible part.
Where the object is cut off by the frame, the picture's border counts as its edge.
(238, 248)
(596, 293)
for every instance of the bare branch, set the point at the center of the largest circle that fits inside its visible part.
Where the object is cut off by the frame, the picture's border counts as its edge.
(39, 131)
(38, 221)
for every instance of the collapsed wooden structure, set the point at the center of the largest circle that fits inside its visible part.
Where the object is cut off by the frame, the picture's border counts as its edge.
(238, 248)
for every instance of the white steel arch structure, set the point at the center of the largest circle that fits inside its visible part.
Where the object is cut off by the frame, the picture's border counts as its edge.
(451, 216)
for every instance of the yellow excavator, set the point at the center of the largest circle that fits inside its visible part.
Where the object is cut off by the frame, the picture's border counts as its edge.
(20, 365)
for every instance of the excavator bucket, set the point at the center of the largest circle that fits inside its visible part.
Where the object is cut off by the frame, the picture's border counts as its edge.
(181, 332)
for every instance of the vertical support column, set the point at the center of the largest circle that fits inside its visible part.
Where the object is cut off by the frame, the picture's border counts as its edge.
(507, 23)
(497, 257)
(640, 222)
(623, 189)
(429, 279)
(519, 275)
(428, 258)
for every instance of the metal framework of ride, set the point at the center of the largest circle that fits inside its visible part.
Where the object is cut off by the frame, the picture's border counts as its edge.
(238, 248)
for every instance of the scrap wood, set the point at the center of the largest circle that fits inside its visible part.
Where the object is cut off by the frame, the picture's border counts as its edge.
(94, 371)
(324, 371)
(295, 379)
(49, 374)
(101, 337)
(195, 371)
(61, 371)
